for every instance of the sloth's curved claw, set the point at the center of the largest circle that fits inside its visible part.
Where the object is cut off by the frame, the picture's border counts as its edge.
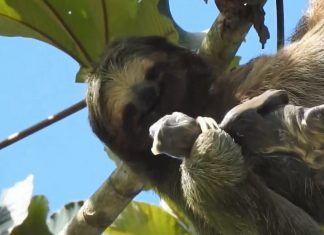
(207, 123)
(314, 119)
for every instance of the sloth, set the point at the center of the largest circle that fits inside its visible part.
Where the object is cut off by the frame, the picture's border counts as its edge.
(139, 80)
(207, 151)
(290, 129)
(232, 204)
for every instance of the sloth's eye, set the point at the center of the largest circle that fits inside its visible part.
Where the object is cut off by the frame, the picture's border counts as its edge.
(129, 113)
(148, 96)
(154, 72)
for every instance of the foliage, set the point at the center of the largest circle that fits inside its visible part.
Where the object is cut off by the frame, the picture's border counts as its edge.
(35, 223)
(83, 28)
(170, 207)
(20, 215)
(142, 218)
(234, 63)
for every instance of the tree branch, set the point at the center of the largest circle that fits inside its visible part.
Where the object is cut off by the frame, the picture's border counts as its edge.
(222, 42)
(42, 124)
(219, 48)
(103, 207)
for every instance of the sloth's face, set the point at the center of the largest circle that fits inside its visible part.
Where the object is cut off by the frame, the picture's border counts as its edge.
(148, 91)
(138, 82)
(134, 96)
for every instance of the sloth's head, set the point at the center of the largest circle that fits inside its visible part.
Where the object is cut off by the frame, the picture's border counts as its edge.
(139, 80)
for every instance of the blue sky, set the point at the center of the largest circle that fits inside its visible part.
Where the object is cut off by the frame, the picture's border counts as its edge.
(37, 80)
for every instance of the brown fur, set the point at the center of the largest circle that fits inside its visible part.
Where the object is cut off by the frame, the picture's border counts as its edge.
(312, 16)
(220, 188)
(267, 124)
(217, 183)
(292, 68)
(295, 64)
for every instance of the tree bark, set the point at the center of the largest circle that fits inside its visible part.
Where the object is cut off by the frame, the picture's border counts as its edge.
(103, 207)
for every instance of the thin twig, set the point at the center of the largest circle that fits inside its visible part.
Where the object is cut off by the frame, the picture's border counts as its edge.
(280, 24)
(42, 124)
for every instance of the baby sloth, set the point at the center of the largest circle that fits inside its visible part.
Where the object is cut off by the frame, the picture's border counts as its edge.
(267, 124)
(218, 185)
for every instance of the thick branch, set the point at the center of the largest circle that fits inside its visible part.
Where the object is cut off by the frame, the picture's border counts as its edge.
(220, 48)
(222, 42)
(103, 207)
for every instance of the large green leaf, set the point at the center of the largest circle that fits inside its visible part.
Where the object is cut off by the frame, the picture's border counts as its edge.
(235, 63)
(35, 223)
(82, 28)
(142, 219)
(171, 208)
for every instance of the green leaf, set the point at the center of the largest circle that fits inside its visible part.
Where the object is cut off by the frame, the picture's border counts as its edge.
(83, 74)
(139, 18)
(59, 219)
(83, 28)
(14, 204)
(234, 63)
(170, 207)
(50, 22)
(142, 219)
(35, 223)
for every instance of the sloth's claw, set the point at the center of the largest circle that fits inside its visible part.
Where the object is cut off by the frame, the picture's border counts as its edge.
(207, 123)
(314, 119)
